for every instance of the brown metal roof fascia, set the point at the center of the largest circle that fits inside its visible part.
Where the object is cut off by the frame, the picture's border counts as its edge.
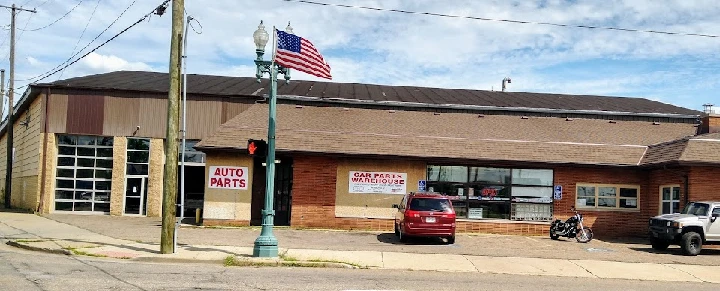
(483, 108)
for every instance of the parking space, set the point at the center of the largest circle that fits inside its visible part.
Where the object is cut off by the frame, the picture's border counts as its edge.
(632, 250)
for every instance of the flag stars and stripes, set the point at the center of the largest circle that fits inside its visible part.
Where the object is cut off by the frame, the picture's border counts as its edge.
(294, 52)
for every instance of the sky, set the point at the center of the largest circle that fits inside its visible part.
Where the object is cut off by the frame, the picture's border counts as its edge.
(389, 48)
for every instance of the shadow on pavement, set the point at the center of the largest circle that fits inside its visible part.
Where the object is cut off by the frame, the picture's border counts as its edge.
(676, 251)
(390, 238)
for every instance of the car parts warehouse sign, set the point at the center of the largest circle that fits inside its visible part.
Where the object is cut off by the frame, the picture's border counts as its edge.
(228, 178)
(377, 182)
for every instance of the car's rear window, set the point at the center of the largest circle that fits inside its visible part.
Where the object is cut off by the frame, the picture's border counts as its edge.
(430, 204)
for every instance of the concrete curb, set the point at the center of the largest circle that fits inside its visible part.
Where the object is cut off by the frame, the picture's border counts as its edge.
(39, 249)
(172, 260)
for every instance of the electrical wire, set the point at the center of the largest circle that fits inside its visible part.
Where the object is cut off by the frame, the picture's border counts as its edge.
(52, 72)
(82, 34)
(509, 20)
(56, 21)
(89, 43)
(193, 27)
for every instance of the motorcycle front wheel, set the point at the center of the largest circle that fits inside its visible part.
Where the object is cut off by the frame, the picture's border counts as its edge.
(584, 235)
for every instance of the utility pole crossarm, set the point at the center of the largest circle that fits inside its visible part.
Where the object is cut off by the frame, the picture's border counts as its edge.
(19, 8)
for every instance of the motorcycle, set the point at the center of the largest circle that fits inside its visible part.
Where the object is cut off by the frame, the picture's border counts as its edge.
(571, 228)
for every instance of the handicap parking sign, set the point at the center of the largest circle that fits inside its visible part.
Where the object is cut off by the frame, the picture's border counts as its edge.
(558, 192)
(421, 185)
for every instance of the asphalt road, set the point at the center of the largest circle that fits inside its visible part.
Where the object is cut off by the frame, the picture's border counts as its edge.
(23, 270)
(147, 229)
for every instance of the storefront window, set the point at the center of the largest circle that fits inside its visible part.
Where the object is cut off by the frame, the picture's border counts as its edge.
(448, 173)
(495, 193)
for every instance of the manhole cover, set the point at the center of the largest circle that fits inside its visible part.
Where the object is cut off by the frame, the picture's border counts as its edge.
(598, 250)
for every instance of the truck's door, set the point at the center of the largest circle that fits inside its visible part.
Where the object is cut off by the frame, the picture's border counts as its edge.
(713, 231)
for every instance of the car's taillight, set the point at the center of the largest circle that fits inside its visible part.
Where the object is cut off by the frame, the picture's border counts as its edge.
(449, 215)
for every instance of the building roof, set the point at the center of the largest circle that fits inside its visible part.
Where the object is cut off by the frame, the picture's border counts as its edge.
(248, 86)
(448, 135)
(703, 148)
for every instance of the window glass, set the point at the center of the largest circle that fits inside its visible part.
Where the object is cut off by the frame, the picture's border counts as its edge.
(68, 151)
(430, 204)
(532, 194)
(66, 161)
(64, 206)
(105, 152)
(86, 152)
(105, 141)
(138, 156)
(67, 139)
(447, 173)
(490, 175)
(88, 163)
(532, 177)
(137, 169)
(66, 173)
(138, 144)
(86, 140)
(586, 196)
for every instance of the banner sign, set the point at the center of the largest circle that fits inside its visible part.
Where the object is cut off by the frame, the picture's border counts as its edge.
(223, 177)
(377, 182)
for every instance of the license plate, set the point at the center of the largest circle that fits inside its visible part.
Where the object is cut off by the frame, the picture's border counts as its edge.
(430, 219)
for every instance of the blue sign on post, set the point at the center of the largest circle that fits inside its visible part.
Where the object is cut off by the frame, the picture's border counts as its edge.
(558, 192)
(421, 185)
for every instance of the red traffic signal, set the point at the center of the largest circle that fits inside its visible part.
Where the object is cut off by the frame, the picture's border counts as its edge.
(257, 147)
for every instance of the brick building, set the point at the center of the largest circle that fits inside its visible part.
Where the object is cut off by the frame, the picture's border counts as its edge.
(94, 144)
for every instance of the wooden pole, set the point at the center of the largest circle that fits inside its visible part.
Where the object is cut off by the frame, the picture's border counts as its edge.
(170, 177)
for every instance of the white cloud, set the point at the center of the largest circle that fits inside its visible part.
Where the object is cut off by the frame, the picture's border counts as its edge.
(102, 63)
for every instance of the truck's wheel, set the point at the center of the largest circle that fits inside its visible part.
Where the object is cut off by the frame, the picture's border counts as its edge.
(691, 243)
(659, 244)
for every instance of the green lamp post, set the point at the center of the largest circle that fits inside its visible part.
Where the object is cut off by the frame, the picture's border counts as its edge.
(266, 245)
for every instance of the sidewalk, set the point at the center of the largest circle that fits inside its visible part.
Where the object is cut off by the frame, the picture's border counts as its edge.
(39, 233)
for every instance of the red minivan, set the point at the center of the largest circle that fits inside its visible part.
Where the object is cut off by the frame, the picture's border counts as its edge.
(425, 215)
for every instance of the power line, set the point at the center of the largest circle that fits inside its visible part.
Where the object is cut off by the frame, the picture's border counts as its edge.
(61, 17)
(509, 20)
(46, 75)
(87, 45)
(82, 34)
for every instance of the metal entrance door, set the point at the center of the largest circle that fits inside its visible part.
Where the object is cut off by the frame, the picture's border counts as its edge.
(136, 195)
(283, 192)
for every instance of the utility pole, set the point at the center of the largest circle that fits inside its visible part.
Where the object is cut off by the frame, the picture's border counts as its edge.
(171, 140)
(2, 93)
(11, 94)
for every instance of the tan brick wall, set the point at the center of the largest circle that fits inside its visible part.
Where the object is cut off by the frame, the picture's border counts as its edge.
(27, 139)
(117, 192)
(48, 196)
(225, 206)
(155, 178)
(373, 205)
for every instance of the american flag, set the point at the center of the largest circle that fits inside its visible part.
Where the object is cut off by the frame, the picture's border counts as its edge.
(294, 52)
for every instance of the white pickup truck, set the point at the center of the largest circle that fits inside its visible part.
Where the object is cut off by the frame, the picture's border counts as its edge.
(696, 225)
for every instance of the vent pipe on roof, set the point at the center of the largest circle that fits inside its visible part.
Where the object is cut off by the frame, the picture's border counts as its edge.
(505, 81)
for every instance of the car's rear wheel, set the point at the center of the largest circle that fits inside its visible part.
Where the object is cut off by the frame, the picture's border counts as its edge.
(451, 240)
(691, 243)
(397, 231)
(659, 244)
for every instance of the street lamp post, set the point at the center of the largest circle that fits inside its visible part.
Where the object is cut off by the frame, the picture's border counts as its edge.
(266, 245)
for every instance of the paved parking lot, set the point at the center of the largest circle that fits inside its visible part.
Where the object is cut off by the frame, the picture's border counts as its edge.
(146, 229)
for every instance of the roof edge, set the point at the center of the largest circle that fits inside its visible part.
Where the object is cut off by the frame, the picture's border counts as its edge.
(479, 107)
